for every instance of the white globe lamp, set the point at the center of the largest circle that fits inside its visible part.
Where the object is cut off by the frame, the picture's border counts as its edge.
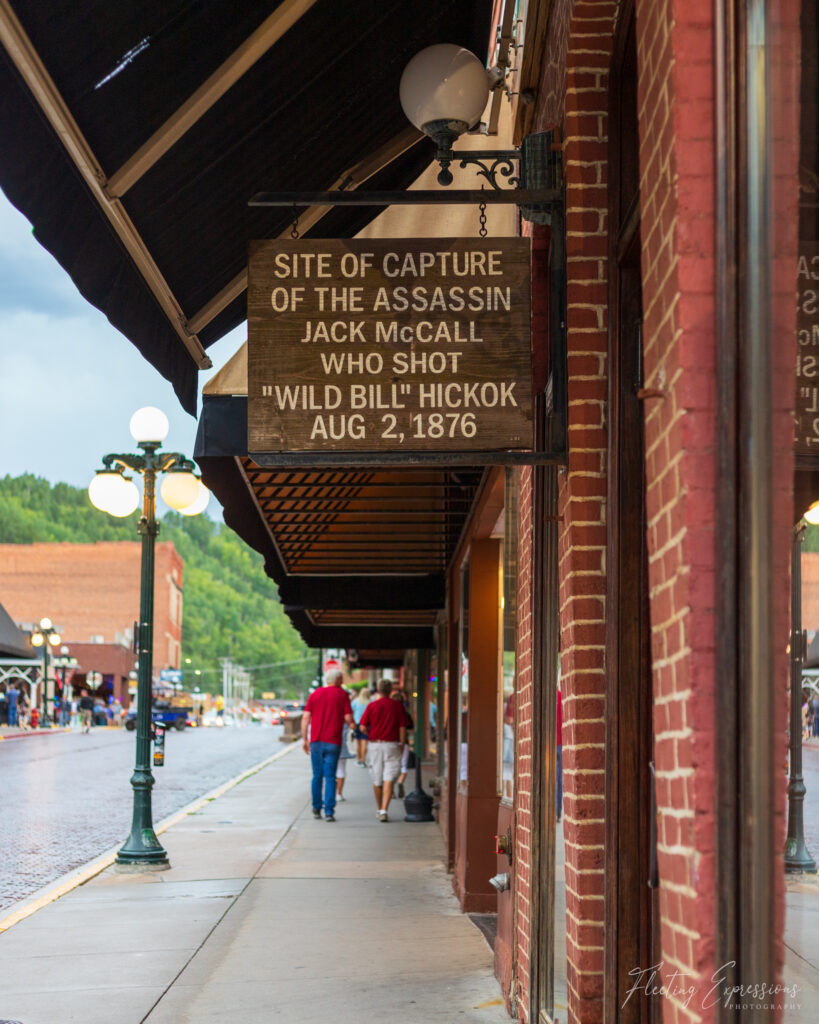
(104, 488)
(179, 489)
(443, 92)
(125, 500)
(812, 515)
(149, 425)
(200, 504)
(444, 83)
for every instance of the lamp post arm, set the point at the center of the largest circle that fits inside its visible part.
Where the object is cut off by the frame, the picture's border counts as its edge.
(132, 462)
(174, 460)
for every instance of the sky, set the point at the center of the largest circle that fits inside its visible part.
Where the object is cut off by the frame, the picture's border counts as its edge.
(69, 382)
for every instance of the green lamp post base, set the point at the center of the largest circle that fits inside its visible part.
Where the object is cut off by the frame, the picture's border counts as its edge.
(142, 850)
(798, 858)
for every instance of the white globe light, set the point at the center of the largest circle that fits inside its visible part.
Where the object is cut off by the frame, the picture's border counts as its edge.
(444, 83)
(812, 515)
(46, 623)
(104, 488)
(180, 489)
(54, 639)
(200, 504)
(149, 424)
(124, 500)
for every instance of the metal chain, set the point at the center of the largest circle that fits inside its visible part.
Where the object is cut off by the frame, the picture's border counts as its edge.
(482, 219)
(294, 231)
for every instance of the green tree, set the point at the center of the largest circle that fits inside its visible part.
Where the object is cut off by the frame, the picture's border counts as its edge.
(230, 606)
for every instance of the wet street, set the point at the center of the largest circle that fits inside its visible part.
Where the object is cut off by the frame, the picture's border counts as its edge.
(67, 797)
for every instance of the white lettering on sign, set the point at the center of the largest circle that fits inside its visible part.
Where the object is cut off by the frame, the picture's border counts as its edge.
(382, 344)
(807, 356)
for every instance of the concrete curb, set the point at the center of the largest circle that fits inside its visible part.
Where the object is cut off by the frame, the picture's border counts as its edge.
(35, 732)
(73, 879)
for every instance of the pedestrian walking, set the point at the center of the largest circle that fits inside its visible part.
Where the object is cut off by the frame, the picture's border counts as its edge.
(13, 698)
(384, 723)
(22, 711)
(815, 707)
(359, 706)
(326, 711)
(345, 756)
(86, 711)
(405, 750)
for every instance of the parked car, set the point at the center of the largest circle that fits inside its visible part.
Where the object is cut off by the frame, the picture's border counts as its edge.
(170, 715)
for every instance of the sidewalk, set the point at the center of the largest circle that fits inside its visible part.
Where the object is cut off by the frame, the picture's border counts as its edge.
(802, 946)
(265, 914)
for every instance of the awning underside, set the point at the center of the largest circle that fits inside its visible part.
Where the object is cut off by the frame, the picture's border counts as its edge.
(133, 147)
(360, 556)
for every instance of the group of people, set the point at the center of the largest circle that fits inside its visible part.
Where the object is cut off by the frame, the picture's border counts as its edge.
(378, 723)
(14, 705)
(810, 718)
(18, 711)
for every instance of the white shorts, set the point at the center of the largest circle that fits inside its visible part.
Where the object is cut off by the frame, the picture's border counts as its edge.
(383, 761)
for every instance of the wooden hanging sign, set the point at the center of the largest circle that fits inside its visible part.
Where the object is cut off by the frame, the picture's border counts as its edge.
(389, 345)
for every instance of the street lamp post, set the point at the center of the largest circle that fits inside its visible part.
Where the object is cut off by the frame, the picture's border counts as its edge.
(113, 492)
(797, 855)
(65, 662)
(44, 636)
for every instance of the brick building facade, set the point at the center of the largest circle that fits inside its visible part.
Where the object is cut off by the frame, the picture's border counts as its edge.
(649, 561)
(637, 556)
(92, 592)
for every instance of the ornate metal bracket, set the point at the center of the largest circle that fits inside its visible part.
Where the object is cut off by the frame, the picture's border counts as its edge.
(492, 163)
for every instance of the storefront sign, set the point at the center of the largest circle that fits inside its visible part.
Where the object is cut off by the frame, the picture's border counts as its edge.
(389, 345)
(807, 355)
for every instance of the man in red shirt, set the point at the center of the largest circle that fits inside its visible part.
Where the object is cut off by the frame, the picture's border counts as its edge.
(326, 710)
(384, 723)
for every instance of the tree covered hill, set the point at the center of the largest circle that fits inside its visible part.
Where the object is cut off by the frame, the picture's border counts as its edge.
(230, 607)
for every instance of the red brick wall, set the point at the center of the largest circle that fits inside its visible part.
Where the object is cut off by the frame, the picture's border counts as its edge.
(93, 590)
(522, 870)
(573, 94)
(675, 106)
(582, 502)
(675, 44)
(675, 61)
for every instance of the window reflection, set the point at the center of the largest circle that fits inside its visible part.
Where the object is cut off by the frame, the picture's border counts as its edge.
(510, 617)
(463, 671)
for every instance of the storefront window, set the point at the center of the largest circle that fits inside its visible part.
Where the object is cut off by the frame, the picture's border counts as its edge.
(463, 672)
(510, 619)
(440, 721)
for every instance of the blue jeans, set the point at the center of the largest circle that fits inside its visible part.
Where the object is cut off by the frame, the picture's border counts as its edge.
(324, 758)
(13, 714)
(559, 781)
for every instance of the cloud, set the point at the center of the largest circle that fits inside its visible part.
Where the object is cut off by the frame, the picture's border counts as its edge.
(69, 381)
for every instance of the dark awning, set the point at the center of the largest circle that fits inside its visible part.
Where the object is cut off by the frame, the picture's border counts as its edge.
(360, 555)
(133, 136)
(13, 643)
